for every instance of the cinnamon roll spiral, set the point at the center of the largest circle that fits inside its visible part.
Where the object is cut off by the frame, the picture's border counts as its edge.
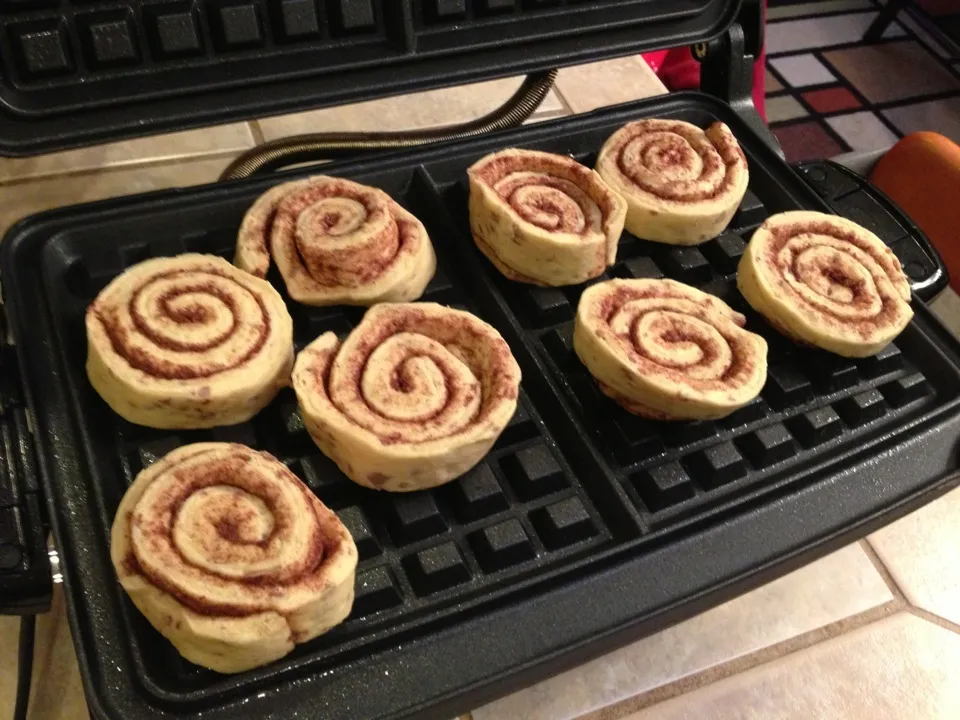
(230, 556)
(543, 219)
(668, 351)
(188, 342)
(336, 242)
(682, 184)
(826, 281)
(414, 397)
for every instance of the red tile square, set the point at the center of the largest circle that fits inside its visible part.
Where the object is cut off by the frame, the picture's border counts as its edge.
(807, 141)
(831, 100)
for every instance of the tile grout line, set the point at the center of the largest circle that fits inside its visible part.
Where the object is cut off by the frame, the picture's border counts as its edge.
(257, 132)
(935, 619)
(883, 571)
(146, 163)
(562, 98)
(746, 662)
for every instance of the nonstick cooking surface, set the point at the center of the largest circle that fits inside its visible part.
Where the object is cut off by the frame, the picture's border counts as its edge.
(575, 487)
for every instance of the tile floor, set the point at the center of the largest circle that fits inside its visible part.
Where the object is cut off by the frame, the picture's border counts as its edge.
(867, 632)
(899, 667)
(829, 91)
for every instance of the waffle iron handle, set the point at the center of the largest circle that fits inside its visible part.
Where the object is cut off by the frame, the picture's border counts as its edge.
(855, 198)
(25, 575)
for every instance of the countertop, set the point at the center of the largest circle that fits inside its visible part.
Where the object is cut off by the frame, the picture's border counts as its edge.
(871, 631)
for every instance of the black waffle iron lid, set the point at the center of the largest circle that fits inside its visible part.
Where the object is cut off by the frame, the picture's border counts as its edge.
(76, 72)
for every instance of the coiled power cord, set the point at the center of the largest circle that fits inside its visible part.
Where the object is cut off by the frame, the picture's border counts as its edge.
(314, 147)
(28, 625)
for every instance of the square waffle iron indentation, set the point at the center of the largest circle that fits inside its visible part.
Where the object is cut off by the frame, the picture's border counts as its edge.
(76, 72)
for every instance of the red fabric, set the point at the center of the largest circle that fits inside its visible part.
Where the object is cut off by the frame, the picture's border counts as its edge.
(678, 70)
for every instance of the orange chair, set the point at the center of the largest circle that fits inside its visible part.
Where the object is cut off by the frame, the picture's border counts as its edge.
(921, 173)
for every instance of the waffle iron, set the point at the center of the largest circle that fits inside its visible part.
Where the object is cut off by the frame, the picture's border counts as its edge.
(585, 528)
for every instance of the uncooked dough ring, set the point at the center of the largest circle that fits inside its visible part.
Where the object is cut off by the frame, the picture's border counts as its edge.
(230, 556)
(543, 219)
(336, 242)
(188, 342)
(826, 281)
(665, 350)
(682, 185)
(414, 397)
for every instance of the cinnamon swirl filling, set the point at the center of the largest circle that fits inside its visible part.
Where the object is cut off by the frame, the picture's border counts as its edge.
(682, 184)
(336, 242)
(826, 281)
(413, 398)
(230, 555)
(542, 218)
(666, 350)
(188, 342)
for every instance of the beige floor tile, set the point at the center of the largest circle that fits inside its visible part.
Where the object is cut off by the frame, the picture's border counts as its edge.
(817, 32)
(921, 552)
(838, 586)
(946, 305)
(942, 116)
(900, 668)
(863, 131)
(595, 85)
(56, 693)
(783, 108)
(771, 84)
(405, 112)
(8, 663)
(27, 198)
(206, 141)
(892, 71)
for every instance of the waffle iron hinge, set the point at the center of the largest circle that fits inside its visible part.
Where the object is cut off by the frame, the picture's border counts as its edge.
(726, 67)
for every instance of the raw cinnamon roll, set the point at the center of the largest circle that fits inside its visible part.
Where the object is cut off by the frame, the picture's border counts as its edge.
(826, 281)
(414, 397)
(682, 185)
(336, 242)
(230, 556)
(668, 351)
(543, 219)
(188, 342)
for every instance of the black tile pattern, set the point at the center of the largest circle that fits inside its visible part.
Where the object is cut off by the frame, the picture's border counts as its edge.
(376, 590)
(437, 568)
(563, 523)
(41, 48)
(816, 426)
(237, 26)
(750, 214)
(298, 19)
